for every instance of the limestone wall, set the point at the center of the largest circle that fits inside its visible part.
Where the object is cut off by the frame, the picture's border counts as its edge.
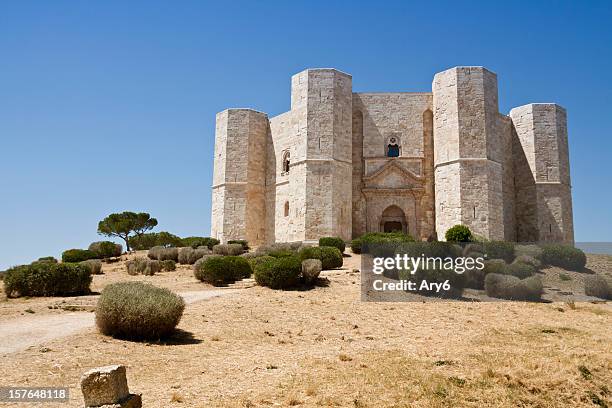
(377, 118)
(460, 162)
(541, 156)
(467, 133)
(238, 207)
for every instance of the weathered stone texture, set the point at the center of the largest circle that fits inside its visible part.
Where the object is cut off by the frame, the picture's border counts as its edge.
(343, 163)
(238, 210)
(543, 192)
(104, 385)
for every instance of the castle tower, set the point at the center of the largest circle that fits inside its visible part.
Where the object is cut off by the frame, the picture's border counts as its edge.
(322, 99)
(542, 177)
(468, 152)
(238, 196)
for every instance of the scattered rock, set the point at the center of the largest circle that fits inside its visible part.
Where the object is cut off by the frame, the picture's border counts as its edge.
(107, 387)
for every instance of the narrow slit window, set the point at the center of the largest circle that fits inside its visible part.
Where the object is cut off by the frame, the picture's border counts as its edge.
(286, 208)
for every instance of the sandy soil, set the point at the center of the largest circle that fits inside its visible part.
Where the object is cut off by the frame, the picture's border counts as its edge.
(324, 347)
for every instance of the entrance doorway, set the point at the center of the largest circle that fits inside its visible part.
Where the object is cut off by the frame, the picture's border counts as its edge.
(393, 226)
(393, 219)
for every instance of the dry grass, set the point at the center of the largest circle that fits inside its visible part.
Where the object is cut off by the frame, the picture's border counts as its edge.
(261, 348)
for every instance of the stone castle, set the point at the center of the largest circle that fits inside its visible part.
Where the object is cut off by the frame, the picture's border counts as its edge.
(341, 163)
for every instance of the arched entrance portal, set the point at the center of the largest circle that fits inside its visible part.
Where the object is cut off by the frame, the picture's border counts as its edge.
(393, 220)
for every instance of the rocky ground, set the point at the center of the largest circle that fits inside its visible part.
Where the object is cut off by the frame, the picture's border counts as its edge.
(324, 347)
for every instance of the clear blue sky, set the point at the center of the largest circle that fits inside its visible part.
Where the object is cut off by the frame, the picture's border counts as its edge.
(110, 106)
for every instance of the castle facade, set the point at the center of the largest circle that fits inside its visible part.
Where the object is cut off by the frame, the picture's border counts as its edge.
(341, 163)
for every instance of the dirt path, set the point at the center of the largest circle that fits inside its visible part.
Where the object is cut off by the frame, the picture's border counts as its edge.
(27, 331)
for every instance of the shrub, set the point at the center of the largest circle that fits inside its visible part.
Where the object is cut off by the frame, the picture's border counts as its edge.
(243, 242)
(474, 250)
(512, 288)
(475, 278)
(458, 233)
(330, 257)
(189, 256)
(597, 286)
(499, 250)
(106, 249)
(259, 259)
(333, 242)
(279, 273)
(139, 311)
(168, 265)
(143, 266)
(47, 279)
(279, 249)
(356, 245)
(153, 239)
(311, 269)
(162, 253)
(219, 270)
(564, 256)
(195, 242)
(78, 255)
(47, 259)
(520, 269)
(228, 249)
(531, 250)
(94, 266)
(529, 260)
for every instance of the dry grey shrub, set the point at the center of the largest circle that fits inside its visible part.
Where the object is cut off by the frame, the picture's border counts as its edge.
(311, 268)
(143, 266)
(512, 288)
(530, 260)
(138, 311)
(94, 266)
(161, 253)
(294, 247)
(531, 250)
(597, 286)
(189, 256)
(228, 249)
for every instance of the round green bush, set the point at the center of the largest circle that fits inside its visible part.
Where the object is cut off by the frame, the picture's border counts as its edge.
(330, 257)
(195, 242)
(279, 273)
(106, 249)
(458, 233)
(356, 245)
(168, 265)
(47, 279)
(153, 239)
(78, 255)
(259, 259)
(336, 242)
(47, 259)
(521, 270)
(219, 270)
(138, 311)
(498, 250)
(564, 256)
